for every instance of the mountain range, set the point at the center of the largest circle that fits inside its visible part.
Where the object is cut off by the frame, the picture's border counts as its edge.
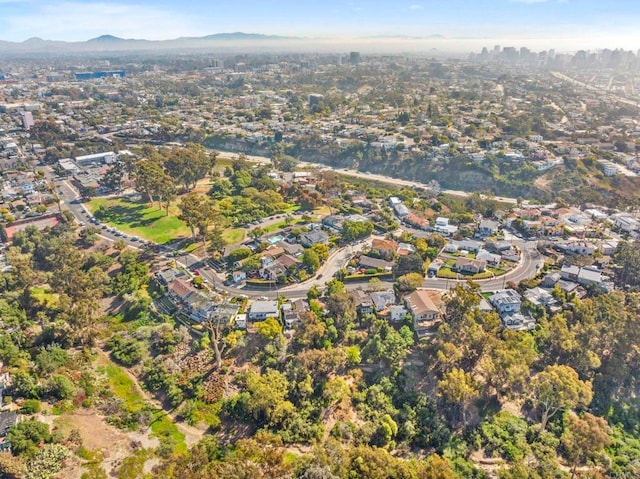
(110, 43)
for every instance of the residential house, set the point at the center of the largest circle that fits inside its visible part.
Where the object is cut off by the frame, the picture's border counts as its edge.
(416, 221)
(313, 237)
(397, 313)
(270, 255)
(362, 203)
(179, 289)
(226, 312)
(263, 309)
(167, 276)
(550, 280)
(367, 262)
(472, 246)
(362, 302)
(468, 265)
(273, 271)
(570, 272)
(507, 301)
(580, 247)
(488, 228)
(542, 297)
(382, 299)
(333, 223)
(424, 311)
(405, 249)
(291, 312)
(442, 226)
(609, 247)
(383, 248)
(241, 321)
(8, 419)
(434, 267)
(588, 277)
(198, 305)
(491, 259)
(238, 276)
(627, 223)
(294, 250)
(401, 210)
(290, 263)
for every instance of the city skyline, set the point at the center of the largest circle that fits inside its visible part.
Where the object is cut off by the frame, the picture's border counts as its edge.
(563, 24)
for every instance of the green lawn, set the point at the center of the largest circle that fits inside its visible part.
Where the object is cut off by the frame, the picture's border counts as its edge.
(445, 272)
(280, 225)
(233, 236)
(138, 219)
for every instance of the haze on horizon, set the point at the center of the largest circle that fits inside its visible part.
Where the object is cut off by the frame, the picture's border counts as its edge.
(566, 25)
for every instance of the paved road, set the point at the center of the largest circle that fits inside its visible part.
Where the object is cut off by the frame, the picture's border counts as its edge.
(529, 266)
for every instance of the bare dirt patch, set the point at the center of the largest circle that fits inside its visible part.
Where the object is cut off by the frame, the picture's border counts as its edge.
(97, 435)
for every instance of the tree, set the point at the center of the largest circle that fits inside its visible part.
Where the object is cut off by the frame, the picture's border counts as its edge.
(437, 467)
(311, 260)
(584, 438)
(628, 258)
(355, 230)
(189, 165)
(334, 287)
(149, 177)
(411, 263)
(458, 389)
(28, 436)
(217, 325)
(198, 211)
(112, 179)
(409, 282)
(60, 387)
(556, 388)
(374, 284)
(269, 329)
(216, 240)
(322, 250)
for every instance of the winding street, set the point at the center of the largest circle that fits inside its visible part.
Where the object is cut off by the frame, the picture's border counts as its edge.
(529, 265)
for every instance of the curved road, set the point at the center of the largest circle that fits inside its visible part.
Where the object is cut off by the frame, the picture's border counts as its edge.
(530, 264)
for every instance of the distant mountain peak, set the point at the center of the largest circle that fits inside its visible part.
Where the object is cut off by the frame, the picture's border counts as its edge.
(106, 38)
(242, 36)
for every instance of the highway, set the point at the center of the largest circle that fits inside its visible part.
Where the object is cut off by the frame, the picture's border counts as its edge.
(367, 176)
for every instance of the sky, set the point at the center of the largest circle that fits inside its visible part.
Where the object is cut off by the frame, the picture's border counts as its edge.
(534, 23)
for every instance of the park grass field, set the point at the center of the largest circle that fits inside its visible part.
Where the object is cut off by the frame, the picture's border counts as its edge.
(140, 219)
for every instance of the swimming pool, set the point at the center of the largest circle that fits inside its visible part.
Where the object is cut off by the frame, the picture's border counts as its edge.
(275, 239)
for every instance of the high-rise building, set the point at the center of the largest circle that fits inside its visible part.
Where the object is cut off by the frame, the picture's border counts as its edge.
(354, 58)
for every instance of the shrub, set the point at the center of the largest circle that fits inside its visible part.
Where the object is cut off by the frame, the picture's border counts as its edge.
(31, 406)
(127, 351)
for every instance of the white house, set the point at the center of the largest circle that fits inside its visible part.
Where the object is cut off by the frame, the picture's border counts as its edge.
(506, 301)
(263, 309)
(397, 313)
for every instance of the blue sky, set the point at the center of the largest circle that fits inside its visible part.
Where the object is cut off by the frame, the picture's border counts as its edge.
(609, 21)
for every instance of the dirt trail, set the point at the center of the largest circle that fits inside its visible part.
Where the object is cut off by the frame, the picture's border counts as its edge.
(191, 434)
